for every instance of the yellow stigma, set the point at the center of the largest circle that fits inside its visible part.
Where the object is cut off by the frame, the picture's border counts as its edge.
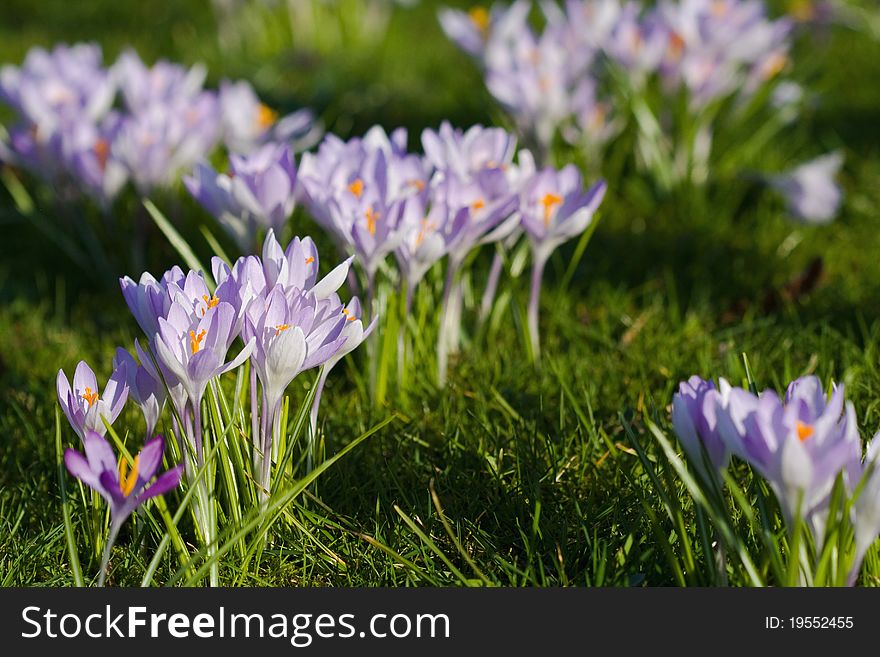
(357, 187)
(266, 116)
(372, 216)
(479, 204)
(281, 327)
(310, 260)
(90, 397)
(348, 314)
(549, 201)
(480, 18)
(127, 480)
(195, 341)
(804, 431)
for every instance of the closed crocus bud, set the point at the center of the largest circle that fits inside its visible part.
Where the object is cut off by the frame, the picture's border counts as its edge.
(695, 409)
(147, 391)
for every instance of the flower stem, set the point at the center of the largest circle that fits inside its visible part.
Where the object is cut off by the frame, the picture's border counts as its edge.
(108, 546)
(447, 319)
(313, 417)
(488, 299)
(534, 302)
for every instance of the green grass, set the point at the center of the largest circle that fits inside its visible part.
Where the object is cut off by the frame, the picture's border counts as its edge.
(537, 479)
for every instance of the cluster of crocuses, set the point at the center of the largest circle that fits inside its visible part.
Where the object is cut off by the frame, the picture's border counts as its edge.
(376, 199)
(570, 79)
(552, 81)
(801, 445)
(93, 128)
(289, 321)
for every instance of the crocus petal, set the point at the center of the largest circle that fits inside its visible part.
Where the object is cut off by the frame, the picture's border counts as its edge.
(150, 458)
(332, 281)
(168, 480)
(79, 467)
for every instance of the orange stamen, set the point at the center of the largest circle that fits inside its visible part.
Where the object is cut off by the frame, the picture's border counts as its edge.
(427, 226)
(127, 480)
(804, 431)
(281, 327)
(90, 397)
(774, 65)
(348, 314)
(209, 303)
(195, 341)
(479, 204)
(266, 116)
(310, 260)
(480, 17)
(549, 201)
(102, 152)
(372, 217)
(357, 187)
(676, 46)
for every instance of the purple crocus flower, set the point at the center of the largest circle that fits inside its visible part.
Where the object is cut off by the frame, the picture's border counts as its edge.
(866, 511)
(147, 391)
(355, 190)
(799, 445)
(468, 30)
(164, 83)
(257, 192)
(291, 332)
(69, 82)
(555, 208)
(124, 486)
(694, 415)
(194, 348)
(248, 123)
(158, 142)
(469, 153)
(352, 335)
(811, 193)
(149, 299)
(295, 267)
(87, 152)
(82, 404)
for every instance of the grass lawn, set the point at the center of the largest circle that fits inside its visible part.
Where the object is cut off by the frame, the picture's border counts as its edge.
(537, 470)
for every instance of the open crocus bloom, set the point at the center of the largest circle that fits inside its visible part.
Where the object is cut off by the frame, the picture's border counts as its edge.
(292, 332)
(194, 348)
(258, 191)
(82, 403)
(466, 153)
(799, 445)
(249, 123)
(125, 486)
(68, 82)
(555, 208)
